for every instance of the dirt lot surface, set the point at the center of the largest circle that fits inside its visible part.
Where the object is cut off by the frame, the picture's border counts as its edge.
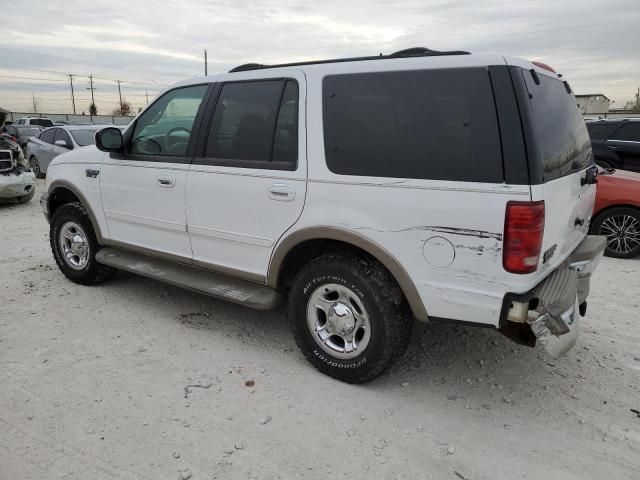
(137, 380)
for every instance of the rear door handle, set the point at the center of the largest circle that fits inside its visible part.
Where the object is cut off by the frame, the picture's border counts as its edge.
(166, 181)
(613, 147)
(282, 192)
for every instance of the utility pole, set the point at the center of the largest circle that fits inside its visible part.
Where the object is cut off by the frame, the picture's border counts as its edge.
(91, 88)
(120, 94)
(73, 98)
(205, 62)
(146, 93)
(35, 103)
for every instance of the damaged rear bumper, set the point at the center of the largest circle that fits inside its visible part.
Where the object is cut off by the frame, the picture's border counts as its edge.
(553, 309)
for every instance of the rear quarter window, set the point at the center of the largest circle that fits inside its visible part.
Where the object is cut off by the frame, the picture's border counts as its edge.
(424, 124)
(560, 131)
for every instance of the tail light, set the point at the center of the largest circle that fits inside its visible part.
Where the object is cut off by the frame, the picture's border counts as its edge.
(523, 232)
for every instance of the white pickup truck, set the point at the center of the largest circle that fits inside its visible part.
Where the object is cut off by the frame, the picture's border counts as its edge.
(437, 186)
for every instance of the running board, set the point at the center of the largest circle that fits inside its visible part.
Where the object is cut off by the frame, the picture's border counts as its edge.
(232, 289)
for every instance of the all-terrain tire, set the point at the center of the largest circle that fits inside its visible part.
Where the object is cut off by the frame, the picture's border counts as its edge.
(93, 272)
(390, 320)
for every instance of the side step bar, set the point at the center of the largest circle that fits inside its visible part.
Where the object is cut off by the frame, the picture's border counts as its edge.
(232, 289)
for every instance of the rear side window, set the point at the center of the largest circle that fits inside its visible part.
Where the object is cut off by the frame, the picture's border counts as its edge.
(601, 131)
(426, 124)
(256, 122)
(48, 135)
(61, 134)
(559, 129)
(629, 132)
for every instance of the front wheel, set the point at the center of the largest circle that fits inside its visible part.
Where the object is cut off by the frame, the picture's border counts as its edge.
(621, 226)
(74, 246)
(349, 316)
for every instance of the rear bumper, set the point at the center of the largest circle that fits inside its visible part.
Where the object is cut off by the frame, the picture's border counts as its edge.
(553, 308)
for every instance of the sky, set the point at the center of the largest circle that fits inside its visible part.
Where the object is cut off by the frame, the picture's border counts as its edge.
(150, 44)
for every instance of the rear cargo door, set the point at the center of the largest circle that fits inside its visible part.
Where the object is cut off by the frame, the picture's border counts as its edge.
(560, 164)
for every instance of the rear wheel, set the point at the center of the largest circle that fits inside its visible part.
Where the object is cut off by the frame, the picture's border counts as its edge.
(349, 316)
(621, 226)
(35, 166)
(74, 246)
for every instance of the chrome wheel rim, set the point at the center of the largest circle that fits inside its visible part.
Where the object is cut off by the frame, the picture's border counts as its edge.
(338, 321)
(622, 232)
(74, 245)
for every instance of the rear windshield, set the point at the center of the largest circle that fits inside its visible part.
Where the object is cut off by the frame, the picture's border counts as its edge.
(429, 124)
(560, 130)
(84, 137)
(43, 122)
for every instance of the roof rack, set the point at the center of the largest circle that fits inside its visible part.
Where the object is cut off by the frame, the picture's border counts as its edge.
(409, 52)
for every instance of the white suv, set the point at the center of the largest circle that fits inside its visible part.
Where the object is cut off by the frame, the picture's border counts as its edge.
(369, 191)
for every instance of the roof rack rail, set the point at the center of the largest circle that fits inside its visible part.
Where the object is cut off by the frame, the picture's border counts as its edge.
(409, 52)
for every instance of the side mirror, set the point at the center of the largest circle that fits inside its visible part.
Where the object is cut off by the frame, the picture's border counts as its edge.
(110, 140)
(61, 143)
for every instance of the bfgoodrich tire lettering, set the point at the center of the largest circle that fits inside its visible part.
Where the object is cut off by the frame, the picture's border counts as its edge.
(378, 296)
(91, 272)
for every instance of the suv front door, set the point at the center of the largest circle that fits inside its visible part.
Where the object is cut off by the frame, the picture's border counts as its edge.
(625, 144)
(248, 185)
(143, 191)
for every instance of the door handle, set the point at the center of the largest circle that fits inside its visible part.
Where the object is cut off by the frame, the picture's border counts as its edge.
(166, 181)
(282, 192)
(613, 147)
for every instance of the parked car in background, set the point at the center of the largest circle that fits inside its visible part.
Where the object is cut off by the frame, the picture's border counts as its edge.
(56, 140)
(20, 134)
(40, 121)
(616, 213)
(616, 143)
(17, 181)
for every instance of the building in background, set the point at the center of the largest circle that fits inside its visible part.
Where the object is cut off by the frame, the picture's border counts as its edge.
(593, 103)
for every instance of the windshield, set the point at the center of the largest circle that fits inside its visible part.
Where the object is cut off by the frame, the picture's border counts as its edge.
(84, 137)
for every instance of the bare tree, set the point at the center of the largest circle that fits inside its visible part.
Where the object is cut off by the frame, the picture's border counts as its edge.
(124, 109)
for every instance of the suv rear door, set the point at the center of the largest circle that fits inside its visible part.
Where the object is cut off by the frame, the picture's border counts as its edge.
(248, 185)
(559, 151)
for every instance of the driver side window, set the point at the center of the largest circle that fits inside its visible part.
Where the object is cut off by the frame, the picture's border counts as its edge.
(165, 128)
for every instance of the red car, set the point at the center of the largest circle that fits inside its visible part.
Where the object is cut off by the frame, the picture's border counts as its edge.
(616, 214)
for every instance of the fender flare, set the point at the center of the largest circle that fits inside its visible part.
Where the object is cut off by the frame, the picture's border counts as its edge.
(357, 240)
(83, 200)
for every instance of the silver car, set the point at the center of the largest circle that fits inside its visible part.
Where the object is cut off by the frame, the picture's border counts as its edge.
(56, 140)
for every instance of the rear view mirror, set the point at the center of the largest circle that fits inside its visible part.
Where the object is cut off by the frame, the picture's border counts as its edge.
(110, 140)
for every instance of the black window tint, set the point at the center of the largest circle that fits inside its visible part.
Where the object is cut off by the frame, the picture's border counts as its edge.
(244, 121)
(165, 128)
(629, 132)
(43, 122)
(285, 141)
(48, 135)
(560, 130)
(62, 135)
(601, 131)
(431, 124)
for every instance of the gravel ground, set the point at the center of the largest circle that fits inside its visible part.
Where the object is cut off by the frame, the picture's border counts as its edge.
(138, 380)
